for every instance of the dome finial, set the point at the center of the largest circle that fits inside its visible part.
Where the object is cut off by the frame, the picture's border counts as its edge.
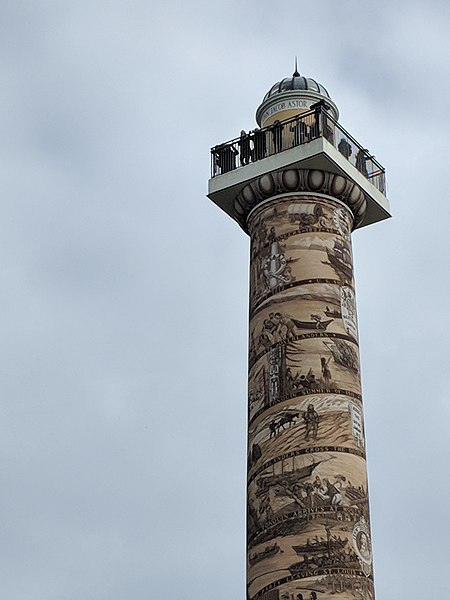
(296, 73)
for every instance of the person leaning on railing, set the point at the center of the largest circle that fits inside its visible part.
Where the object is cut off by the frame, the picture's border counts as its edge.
(244, 148)
(360, 164)
(299, 130)
(321, 126)
(259, 144)
(344, 148)
(225, 157)
(277, 135)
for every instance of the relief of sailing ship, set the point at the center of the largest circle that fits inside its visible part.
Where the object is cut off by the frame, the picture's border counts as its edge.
(340, 258)
(286, 477)
(343, 354)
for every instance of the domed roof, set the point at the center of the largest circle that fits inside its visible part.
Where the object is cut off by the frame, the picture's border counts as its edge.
(296, 82)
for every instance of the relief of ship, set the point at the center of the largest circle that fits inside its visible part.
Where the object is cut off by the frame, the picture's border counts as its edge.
(343, 354)
(289, 477)
(321, 546)
(332, 313)
(268, 552)
(324, 553)
(321, 325)
(340, 258)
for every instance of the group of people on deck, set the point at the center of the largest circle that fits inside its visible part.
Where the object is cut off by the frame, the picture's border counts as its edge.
(259, 143)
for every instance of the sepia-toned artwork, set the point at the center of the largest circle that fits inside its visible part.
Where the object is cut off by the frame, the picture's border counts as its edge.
(308, 525)
(300, 246)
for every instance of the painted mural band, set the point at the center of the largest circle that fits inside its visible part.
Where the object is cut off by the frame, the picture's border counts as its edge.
(308, 525)
(316, 226)
(317, 423)
(313, 364)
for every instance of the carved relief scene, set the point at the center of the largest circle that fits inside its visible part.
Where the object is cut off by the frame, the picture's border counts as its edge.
(327, 558)
(317, 307)
(343, 585)
(332, 421)
(297, 242)
(302, 367)
(295, 490)
(308, 514)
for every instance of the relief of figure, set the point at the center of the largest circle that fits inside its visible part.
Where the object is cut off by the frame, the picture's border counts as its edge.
(286, 326)
(281, 327)
(268, 333)
(311, 419)
(362, 545)
(290, 382)
(265, 508)
(254, 455)
(326, 373)
(272, 236)
(307, 382)
(326, 493)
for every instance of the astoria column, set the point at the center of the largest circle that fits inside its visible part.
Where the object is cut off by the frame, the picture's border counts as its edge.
(298, 185)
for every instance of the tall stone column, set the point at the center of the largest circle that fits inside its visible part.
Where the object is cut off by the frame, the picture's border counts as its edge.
(308, 513)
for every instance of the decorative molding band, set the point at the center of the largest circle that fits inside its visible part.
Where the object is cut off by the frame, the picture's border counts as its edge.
(300, 180)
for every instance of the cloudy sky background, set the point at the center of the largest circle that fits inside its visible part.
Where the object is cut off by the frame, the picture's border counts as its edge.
(124, 290)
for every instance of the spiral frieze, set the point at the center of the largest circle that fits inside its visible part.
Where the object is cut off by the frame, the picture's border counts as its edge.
(308, 522)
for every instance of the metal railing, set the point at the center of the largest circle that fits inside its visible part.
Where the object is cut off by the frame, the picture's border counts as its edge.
(284, 135)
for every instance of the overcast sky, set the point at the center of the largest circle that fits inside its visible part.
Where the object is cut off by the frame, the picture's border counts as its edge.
(124, 289)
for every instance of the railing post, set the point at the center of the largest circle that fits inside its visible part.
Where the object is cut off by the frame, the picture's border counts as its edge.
(320, 127)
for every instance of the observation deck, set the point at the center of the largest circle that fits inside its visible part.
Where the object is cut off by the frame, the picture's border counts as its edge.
(311, 140)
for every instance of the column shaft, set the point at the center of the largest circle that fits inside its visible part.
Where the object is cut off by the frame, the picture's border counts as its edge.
(308, 513)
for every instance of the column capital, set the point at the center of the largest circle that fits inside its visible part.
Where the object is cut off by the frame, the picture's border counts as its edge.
(300, 180)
